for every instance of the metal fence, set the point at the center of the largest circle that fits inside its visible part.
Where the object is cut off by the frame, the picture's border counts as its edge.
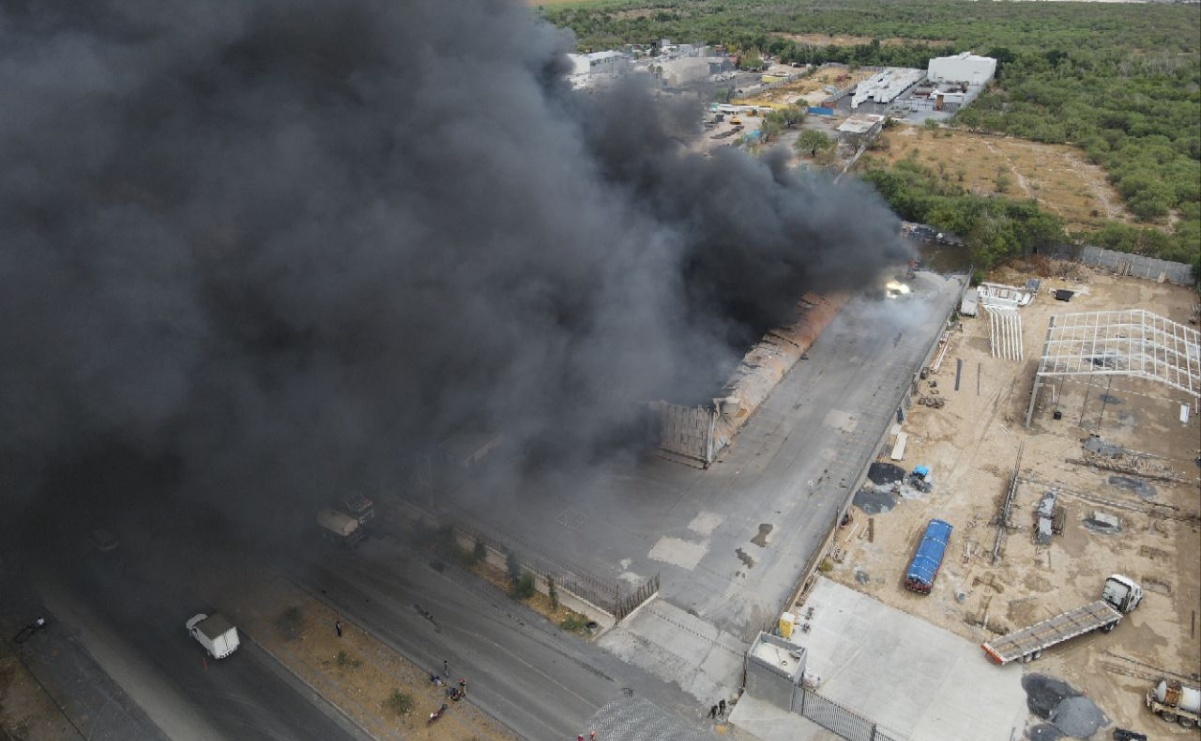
(1139, 266)
(608, 596)
(626, 604)
(839, 720)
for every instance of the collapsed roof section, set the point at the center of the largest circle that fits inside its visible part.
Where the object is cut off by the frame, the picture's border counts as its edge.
(1131, 342)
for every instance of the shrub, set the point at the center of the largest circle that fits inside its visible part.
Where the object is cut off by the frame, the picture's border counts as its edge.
(524, 586)
(574, 623)
(399, 702)
(480, 553)
(346, 661)
(290, 623)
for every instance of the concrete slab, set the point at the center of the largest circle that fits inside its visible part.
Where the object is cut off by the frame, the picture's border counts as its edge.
(679, 552)
(679, 647)
(906, 674)
(766, 722)
(635, 719)
(705, 523)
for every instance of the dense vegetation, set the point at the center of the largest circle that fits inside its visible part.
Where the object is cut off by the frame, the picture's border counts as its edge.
(1121, 81)
(994, 228)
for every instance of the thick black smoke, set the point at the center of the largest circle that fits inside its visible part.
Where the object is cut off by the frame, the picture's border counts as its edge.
(282, 245)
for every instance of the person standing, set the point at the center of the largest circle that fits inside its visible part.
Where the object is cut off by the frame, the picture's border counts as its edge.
(721, 707)
(338, 627)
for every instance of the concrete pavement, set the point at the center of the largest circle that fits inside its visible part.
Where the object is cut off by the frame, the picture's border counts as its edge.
(730, 542)
(909, 676)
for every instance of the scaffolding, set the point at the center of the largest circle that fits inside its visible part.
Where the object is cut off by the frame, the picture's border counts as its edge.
(1131, 342)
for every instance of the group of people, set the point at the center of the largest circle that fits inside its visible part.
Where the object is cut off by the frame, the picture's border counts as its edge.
(718, 710)
(452, 692)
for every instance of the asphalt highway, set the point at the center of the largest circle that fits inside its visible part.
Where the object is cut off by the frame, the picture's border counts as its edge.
(533, 677)
(132, 622)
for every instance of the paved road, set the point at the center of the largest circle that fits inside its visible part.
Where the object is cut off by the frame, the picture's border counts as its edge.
(539, 681)
(132, 624)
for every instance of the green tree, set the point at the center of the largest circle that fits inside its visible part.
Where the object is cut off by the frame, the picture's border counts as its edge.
(751, 62)
(788, 118)
(769, 130)
(812, 141)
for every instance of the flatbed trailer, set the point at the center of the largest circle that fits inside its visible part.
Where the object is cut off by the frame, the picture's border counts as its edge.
(1029, 643)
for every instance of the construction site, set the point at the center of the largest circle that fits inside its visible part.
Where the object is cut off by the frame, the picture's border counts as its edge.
(1056, 432)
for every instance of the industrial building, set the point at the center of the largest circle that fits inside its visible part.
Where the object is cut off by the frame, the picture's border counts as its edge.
(952, 82)
(599, 63)
(685, 70)
(860, 126)
(885, 86)
(966, 68)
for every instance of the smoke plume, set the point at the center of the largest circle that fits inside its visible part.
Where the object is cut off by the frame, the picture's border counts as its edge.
(281, 246)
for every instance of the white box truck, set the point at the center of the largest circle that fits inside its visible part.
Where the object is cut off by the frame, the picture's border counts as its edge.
(218, 636)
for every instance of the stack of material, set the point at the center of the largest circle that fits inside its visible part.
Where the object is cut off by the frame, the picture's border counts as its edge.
(1044, 524)
(1005, 332)
(763, 367)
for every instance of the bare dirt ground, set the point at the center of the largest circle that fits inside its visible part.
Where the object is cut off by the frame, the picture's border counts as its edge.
(26, 711)
(972, 445)
(1057, 176)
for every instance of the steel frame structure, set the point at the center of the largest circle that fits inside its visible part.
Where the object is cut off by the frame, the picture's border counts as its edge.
(1128, 342)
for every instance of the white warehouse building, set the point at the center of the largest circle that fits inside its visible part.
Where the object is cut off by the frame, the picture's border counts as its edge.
(965, 67)
(599, 63)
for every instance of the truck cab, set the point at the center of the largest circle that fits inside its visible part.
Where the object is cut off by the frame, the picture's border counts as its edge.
(357, 506)
(1122, 592)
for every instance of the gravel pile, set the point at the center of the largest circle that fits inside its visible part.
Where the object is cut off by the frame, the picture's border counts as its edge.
(882, 474)
(1078, 717)
(874, 501)
(1069, 713)
(1043, 693)
(1044, 732)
